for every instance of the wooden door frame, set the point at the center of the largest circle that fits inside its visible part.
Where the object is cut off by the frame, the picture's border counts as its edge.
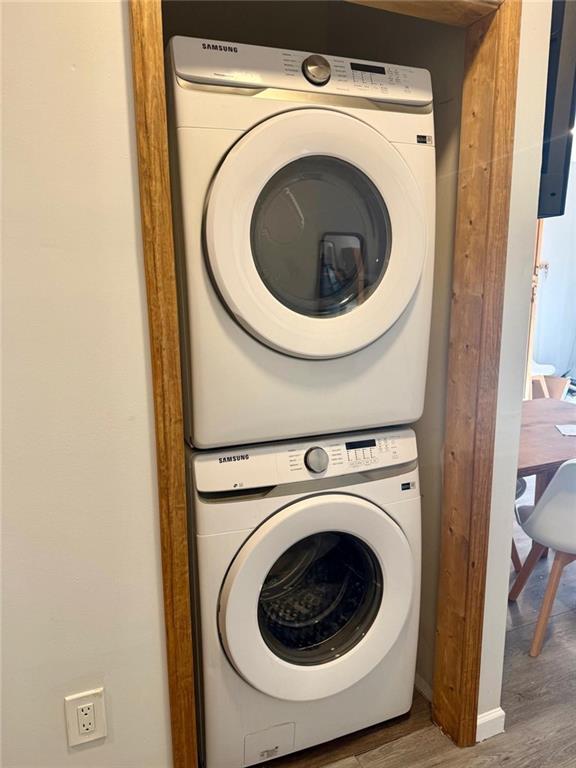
(484, 181)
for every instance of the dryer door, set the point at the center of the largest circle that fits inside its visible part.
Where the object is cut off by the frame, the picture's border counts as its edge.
(316, 597)
(315, 233)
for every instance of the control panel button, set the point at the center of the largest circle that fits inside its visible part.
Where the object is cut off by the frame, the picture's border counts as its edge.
(316, 69)
(316, 460)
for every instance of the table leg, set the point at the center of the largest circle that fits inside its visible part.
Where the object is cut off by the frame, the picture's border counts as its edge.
(516, 562)
(529, 564)
(542, 481)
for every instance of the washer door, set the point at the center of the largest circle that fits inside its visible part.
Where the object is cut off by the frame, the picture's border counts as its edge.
(316, 597)
(315, 233)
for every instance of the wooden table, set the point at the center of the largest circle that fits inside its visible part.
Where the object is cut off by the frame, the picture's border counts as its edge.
(542, 448)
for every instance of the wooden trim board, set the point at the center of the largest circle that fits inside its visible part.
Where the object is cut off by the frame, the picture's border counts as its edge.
(456, 13)
(485, 172)
(479, 266)
(158, 250)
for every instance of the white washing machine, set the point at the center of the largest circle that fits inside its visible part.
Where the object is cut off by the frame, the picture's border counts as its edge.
(307, 582)
(304, 191)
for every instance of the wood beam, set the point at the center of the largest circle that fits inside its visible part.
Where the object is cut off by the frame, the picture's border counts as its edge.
(456, 13)
(485, 171)
(158, 252)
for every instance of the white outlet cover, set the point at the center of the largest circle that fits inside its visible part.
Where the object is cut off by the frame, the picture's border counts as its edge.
(94, 697)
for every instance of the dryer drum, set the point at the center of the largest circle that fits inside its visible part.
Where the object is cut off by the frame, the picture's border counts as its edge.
(320, 598)
(320, 236)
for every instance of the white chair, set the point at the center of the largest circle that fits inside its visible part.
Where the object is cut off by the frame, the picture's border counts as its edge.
(551, 523)
(541, 369)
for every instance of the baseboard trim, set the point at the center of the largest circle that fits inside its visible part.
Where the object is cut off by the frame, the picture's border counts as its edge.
(490, 724)
(422, 687)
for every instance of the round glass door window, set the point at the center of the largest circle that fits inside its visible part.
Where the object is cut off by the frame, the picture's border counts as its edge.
(320, 598)
(320, 236)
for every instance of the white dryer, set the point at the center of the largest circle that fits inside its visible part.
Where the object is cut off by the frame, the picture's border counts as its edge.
(304, 191)
(307, 579)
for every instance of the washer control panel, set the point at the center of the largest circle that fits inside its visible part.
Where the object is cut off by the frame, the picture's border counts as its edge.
(281, 463)
(253, 66)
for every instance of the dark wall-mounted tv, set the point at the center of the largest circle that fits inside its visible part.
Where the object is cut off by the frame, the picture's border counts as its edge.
(560, 106)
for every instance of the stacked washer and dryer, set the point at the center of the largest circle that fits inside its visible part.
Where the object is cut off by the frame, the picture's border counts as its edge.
(304, 204)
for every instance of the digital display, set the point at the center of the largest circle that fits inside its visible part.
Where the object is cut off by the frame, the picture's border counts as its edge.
(367, 68)
(360, 444)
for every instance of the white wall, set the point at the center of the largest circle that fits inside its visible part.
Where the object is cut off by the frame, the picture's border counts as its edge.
(82, 584)
(555, 332)
(521, 238)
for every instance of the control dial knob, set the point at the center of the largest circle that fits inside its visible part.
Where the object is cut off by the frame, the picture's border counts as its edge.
(316, 69)
(316, 460)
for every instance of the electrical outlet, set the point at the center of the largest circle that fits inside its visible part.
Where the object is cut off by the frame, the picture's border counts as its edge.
(85, 716)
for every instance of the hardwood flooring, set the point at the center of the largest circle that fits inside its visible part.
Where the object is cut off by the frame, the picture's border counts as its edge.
(539, 696)
(341, 753)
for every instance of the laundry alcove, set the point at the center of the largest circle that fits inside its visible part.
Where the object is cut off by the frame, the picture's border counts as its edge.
(471, 48)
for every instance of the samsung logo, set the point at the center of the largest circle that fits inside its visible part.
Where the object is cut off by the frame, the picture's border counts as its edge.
(216, 47)
(237, 457)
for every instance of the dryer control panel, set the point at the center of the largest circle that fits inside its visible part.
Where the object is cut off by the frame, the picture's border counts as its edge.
(281, 463)
(253, 66)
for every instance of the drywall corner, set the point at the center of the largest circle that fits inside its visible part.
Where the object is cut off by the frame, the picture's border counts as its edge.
(533, 66)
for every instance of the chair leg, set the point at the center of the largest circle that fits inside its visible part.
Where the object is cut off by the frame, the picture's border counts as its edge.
(516, 562)
(561, 560)
(526, 570)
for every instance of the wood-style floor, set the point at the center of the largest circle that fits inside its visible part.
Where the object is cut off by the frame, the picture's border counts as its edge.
(539, 696)
(341, 752)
